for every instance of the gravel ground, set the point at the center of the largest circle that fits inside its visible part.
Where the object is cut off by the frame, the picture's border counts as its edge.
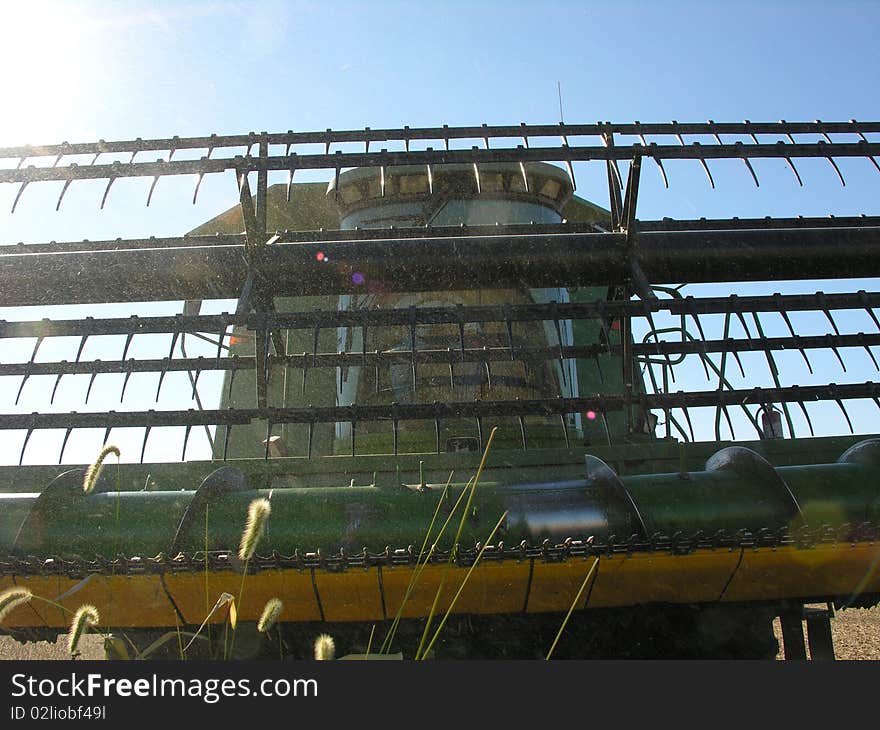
(856, 635)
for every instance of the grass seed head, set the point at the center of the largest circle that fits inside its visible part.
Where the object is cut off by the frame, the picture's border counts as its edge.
(11, 598)
(258, 513)
(94, 470)
(325, 647)
(271, 612)
(86, 617)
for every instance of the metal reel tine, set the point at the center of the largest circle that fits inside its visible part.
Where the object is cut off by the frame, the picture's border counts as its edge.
(599, 366)
(477, 178)
(18, 195)
(807, 416)
(106, 436)
(161, 379)
(687, 417)
(830, 319)
(564, 423)
(871, 355)
(232, 370)
(829, 340)
(489, 367)
(94, 374)
(703, 357)
(794, 170)
(696, 319)
(801, 350)
(395, 435)
(742, 320)
(522, 432)
(27, 437)
(522, 171)
(836, 169)
(707, 171)
(480, 432)
(58, 380)
(382, 180)
(451, 369)
(729, 422)
(561, 353)
(185, 439)
(605, 424)
(430, 172)
(61, 196)
(310, 439)
(570, 168)
(67, 433)
(226, 441)
(152, 188)
(751, 170)
(376, 371)
(198, 185)
(437, 432)
(124, 385)
(195, 384)
(738, 362)
(845, 414)
(107, 191)
(662, 171)
(289, 182)
(128, 340)
(870, 311)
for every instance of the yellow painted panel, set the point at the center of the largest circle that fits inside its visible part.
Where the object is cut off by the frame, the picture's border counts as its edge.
(789, 572)
(698, 577)
(555, 585)
(136, 600)
(493, 588)
(764, 574)
(350, 596)
(293, 587)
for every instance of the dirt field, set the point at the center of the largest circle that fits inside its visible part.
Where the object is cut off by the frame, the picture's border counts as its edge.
(856, 635)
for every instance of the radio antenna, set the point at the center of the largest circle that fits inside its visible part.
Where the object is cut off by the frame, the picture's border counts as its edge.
(559, 94)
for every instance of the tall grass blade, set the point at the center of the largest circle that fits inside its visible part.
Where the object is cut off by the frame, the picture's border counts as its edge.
(453, 553)
(391, 631)
(464, 582)
(574, 603)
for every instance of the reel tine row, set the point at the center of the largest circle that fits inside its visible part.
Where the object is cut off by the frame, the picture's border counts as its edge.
(564, 152)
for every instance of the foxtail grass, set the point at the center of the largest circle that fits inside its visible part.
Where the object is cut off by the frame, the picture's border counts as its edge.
(325, 648)
(86, 617)
(258, 514)
(94, 470)
(11, 598)
(271, 612)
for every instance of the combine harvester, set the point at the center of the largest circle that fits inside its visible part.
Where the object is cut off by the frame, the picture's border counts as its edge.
(654, 460)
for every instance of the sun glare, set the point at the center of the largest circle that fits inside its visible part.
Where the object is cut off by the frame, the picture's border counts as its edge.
(41, 53)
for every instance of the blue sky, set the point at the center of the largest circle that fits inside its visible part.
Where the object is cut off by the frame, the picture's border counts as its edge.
(80, 71)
